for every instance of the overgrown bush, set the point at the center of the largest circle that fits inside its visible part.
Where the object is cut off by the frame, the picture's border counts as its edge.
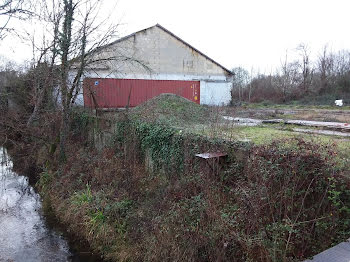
(292, 202)
(284, 201)
(80, 123)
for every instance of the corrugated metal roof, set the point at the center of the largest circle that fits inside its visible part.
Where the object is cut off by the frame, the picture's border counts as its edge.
(173, 35)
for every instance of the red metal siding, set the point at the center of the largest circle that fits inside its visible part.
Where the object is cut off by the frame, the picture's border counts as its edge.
(112, 93)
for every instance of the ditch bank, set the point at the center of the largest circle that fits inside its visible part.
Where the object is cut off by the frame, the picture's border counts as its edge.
(136, 192)
(122, 182)
(133, 188)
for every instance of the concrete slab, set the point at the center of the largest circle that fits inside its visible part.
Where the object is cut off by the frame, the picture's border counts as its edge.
(338, 253)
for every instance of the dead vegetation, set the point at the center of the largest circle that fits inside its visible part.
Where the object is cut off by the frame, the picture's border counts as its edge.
(279, 202)
(300, 81)
(274, 200)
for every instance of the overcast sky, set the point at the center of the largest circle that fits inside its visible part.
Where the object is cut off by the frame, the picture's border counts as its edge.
(248, 33)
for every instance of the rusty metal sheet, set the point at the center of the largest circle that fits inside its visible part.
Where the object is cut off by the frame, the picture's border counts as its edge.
(117, 93)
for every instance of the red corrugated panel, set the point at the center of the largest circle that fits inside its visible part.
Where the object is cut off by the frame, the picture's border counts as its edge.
(112, 93)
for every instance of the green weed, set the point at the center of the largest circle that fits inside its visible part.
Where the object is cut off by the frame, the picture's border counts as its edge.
(45, 180)
(82, 197)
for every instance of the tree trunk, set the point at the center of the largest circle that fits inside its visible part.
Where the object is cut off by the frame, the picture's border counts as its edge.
(37, 107)
(66, 38)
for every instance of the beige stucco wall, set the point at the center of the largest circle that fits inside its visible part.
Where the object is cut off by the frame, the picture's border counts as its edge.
(160, 53)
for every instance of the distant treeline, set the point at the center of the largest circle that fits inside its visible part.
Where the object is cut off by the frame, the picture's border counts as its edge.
(317, 82)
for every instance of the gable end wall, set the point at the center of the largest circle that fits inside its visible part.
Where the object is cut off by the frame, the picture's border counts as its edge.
(166, 58)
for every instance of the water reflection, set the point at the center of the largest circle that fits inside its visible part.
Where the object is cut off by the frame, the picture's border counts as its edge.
(24, 235)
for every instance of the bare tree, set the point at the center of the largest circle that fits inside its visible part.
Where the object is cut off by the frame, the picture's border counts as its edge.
(342, 63)
(342, 72)
(306, 68)
(325, 66)
(240, 81)
(81, 38)
(45, 78)
(288, 77)
(12, 9)
(250, 86)
(77, 32)
(285, 77)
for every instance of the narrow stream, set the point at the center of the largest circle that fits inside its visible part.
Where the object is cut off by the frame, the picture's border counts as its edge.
(24, 232)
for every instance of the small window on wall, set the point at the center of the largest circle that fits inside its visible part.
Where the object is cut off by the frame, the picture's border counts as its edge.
(188, 63)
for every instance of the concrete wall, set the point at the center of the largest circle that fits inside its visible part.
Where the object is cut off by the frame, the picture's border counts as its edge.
(155, 54)
(215, 93)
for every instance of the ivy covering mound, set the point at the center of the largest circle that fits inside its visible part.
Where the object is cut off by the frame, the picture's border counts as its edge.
(171, 109)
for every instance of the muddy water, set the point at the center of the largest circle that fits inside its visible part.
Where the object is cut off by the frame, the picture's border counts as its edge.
(24, 232)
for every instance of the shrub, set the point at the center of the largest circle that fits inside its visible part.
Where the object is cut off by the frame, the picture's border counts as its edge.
(292, 202)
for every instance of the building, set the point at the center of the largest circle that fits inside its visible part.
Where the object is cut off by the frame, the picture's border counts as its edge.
(149, 62)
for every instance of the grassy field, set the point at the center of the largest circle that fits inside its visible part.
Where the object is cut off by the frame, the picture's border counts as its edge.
(207, 121)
